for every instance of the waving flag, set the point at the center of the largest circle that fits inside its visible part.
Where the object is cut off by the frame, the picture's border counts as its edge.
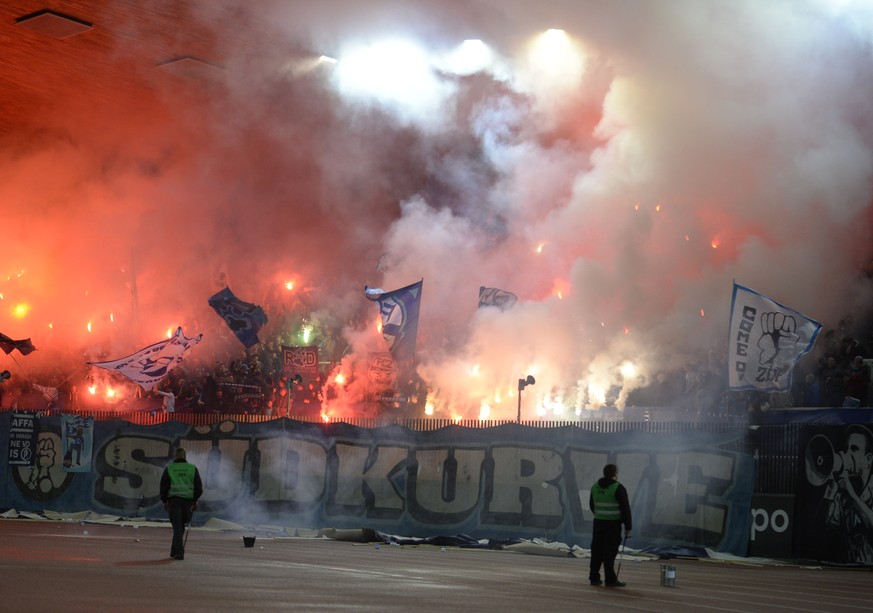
(766, 340)
(399, 312)
(147, 367)
(491, 296)
(8, 345)
(243, 318)
(49, 393)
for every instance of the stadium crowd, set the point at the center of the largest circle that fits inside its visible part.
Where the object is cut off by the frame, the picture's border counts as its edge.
(835, 374)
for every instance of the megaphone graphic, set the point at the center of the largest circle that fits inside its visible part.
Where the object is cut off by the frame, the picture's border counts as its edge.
(822, 462)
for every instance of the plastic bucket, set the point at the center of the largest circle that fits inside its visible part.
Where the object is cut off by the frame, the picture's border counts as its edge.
(249, 541)
(668, 575)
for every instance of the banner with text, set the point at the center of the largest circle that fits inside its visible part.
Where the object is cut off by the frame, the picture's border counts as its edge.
(766, 340)
(22, 438)
(503, 482)
(301, 361)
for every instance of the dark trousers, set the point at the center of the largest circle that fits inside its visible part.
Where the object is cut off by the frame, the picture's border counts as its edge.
(180, 514)
(605, 541)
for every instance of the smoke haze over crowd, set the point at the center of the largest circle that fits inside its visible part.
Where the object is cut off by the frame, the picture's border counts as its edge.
(617, 177)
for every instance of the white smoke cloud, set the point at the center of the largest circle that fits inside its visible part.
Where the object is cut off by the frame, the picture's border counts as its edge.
(617, 190)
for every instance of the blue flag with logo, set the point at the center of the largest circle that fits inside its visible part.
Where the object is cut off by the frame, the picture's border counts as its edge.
(399, 312)
(243, 318)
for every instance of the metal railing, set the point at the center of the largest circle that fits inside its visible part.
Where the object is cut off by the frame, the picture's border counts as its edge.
(775, 448)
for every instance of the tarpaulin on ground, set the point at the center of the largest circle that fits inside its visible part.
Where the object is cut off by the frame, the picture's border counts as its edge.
(509, 481)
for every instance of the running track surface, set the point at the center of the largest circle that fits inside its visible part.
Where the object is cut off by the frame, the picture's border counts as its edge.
(67, 567)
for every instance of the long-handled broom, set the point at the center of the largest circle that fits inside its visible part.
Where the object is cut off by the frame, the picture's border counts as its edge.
(622, 556)
(188, 527)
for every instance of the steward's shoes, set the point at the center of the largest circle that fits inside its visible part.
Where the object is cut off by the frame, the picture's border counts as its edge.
(597, 582)
(183, 557)
(616, 584)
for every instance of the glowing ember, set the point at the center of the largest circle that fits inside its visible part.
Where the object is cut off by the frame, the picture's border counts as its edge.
(289, 285)
(20, 310)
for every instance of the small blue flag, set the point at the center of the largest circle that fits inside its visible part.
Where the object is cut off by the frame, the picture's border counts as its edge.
(243, 318)
(399, 312)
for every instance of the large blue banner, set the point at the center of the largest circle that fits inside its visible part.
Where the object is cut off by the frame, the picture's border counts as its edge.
(503, 482)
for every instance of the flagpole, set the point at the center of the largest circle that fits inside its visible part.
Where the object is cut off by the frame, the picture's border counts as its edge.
(23, 372)
(134, 294)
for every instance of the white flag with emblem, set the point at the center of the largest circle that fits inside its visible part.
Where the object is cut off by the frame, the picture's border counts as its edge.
(766, 341)
(147, 367)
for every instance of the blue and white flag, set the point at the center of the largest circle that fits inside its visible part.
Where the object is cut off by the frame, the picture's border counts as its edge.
(399, 312)
(243, 318)
(49, 393)
(766, 341)
(147, 367)
(491, 296)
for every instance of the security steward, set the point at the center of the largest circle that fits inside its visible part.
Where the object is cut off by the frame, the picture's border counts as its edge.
(181, 488)
(609, 503)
